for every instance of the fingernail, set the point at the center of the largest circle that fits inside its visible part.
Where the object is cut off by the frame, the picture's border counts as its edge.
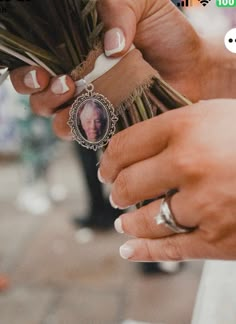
(112, 202)
(126, 251)
(31, 81)
(118, 225)
(114, 41)
(60, 86)
(116, 206)
(100, 178)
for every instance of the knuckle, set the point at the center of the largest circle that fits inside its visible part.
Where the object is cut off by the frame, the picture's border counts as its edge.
(209, 236)
(211, 225)
(37, 108)
(187, 164)
(184, 162)
(172, 250)
(180, 120)
(214, 232)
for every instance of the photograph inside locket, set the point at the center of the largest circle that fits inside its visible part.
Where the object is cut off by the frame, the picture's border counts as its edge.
(92, 120)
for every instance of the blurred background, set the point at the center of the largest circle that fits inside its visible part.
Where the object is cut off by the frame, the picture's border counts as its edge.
(59, 260)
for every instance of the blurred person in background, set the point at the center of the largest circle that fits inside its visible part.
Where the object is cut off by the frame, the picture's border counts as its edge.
(101, 215)
(38, 150)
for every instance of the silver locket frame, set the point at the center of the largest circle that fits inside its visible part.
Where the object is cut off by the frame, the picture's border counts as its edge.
(75, 123)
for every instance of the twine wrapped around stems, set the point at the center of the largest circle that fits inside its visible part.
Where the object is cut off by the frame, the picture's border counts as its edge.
(132, 86)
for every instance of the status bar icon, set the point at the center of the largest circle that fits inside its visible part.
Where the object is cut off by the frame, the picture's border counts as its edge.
(190, 3)
(185, 3)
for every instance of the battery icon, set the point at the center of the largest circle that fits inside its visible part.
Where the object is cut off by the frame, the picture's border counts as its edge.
(226, 3)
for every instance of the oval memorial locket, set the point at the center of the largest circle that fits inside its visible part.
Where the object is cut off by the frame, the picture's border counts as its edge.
(92, 119)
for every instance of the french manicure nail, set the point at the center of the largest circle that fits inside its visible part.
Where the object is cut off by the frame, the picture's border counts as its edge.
(112, 202)
(60, 86)
(100, 178)
(116, 206)
(31, 81)
(118, 225)
(114, 41)
(126, 251)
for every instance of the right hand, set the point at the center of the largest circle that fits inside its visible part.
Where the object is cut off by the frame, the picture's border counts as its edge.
(165, 37)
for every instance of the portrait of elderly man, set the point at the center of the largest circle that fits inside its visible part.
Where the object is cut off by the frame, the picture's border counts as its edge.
(93, 121)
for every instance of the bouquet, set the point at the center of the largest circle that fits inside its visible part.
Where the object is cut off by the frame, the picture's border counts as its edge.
(59, 35)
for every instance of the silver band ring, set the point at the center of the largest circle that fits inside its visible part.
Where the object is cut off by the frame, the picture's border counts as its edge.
(166, 216)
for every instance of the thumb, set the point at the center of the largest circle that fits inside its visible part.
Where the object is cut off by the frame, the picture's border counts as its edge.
(120, 25)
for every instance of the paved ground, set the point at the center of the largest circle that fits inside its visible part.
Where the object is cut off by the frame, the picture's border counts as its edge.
(58, 278)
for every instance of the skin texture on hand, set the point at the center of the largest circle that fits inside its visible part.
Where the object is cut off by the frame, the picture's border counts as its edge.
(165, 37)
(192, 150)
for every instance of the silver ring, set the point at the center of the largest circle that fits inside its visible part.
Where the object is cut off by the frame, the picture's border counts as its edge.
(166, 217)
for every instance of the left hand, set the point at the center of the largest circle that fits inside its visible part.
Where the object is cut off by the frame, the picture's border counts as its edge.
(192, 149)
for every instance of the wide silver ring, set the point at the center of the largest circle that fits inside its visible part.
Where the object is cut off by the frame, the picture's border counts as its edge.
(166, 216)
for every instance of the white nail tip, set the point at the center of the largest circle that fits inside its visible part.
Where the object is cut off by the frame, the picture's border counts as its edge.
(34, 78)
(100, 178)
(121, 42)
(126, 251)
(65, 87)
(116, 206)
(31, 80)
(60, 86)
(112, 202)
(118, 226)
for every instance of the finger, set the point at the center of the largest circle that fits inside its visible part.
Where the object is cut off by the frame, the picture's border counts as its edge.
(59, 91)
(29, 79)
(173, 248)
(136, 143)
(142, 222)
(144, 180)
(120, 21)
(59, 124)
(186, 208)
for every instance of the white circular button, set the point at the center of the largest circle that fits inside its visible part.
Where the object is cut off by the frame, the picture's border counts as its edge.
(230, 40)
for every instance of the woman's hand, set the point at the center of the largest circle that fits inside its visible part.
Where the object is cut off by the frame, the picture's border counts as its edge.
(191, 149)
(165, 37)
